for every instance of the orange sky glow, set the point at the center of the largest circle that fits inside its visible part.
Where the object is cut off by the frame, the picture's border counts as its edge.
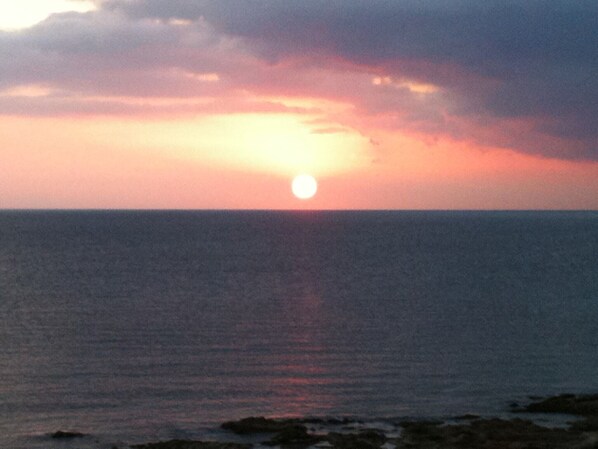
(129, 108)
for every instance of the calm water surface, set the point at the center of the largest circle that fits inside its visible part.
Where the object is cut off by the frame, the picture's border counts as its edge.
(136, 326)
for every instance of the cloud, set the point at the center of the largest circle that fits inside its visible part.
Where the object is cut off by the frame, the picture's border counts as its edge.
(463, 68)
(96, 51)
(522, 59)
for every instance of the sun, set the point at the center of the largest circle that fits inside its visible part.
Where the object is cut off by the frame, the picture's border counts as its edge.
(304, 186)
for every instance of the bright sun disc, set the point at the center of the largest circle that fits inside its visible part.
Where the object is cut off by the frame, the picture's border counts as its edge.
(304, 186)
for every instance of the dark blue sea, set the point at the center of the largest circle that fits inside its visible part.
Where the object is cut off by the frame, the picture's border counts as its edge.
(139, 326)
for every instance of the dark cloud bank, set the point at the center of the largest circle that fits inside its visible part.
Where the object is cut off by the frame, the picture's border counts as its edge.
(531, 58)
(494, 60)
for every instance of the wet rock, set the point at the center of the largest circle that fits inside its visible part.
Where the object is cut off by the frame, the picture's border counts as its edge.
(323, 445)
(336, 421)
(290, 433)
(421, 431)
(247, 426)
(66, 435)
(586, 425)
(369, 439)
(308, 420)
(466, 417)
(189, 444)
(473, 433)
(293, 436)
(323, 421)
(417, 426)
(583, 405)
(490, 434)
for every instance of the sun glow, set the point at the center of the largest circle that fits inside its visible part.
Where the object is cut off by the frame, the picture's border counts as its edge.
(25, 13)
(304, 186)
(279, 144)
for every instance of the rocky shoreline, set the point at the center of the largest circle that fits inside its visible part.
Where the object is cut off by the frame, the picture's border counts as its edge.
(463, 432)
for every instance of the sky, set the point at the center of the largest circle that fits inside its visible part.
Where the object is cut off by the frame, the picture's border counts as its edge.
(218, 104)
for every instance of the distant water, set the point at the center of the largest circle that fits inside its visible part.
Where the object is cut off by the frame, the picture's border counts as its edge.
(137, 326)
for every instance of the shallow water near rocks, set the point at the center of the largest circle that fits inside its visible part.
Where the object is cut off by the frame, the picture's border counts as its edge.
(140, 326)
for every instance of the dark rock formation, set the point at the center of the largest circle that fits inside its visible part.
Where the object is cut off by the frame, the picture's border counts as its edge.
(65, 435)
(473, 433)
(258, 424)
(489, 434)
(188, 444)
(369, 439)
(583, 405)
(586, 425)
(466, 417)
(290, 433)
(293, 437)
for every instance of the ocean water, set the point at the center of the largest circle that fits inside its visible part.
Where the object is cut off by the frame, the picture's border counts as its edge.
(138, 326)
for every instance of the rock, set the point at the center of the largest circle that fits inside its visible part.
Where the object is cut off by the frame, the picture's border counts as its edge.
(65, 435)
(258, 424)
(341, 421)
(589, 424)
(416, 426)
(473, 432)
(189, 444)
(583, 405)
(323, 444)
(416, 431)
(369, 439)
(290, 433)
(466, 417)
(491, 434)
(293, 436)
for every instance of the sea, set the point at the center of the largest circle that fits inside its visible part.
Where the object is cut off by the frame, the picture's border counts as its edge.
(137, 326)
